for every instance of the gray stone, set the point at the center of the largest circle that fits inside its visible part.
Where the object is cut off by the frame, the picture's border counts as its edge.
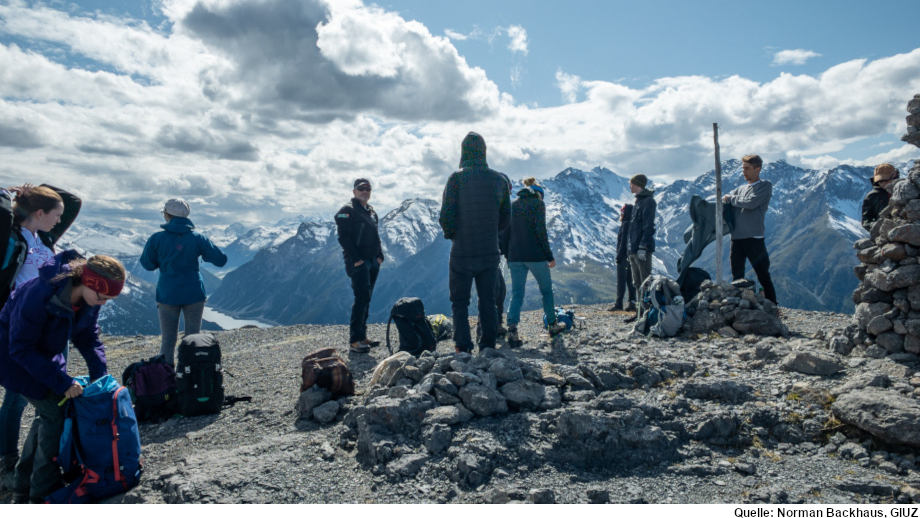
(890, 342)
(459, 379)
(390, 370)
(473, 469)
(326, 412)
(445, 398)
(814, 363)
(901, 277)
(757, 322)
(444, 415)
(483, 400)
(865, 312)
(706, 321)
(542, 496)
(912, 344)
(444, 384)
(505, 371)
(310, 399)
(437, 438)
(902, 192)
(598, 496)
(879, 325)
(408, 465)
(496, 496)
(523, 394)
(723, 390)
(862, 381)
(428, 382)
(887, 415)
(552, 398)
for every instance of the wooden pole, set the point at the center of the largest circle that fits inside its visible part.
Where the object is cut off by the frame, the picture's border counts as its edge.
(715, 138)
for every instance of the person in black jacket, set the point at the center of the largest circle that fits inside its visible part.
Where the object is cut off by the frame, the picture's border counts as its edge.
(624, 276)
(529, 250)
(356, 224)
(641, 230)
(476, 205)
(877, 199)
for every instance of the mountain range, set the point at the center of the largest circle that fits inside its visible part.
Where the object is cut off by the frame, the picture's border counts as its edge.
(293, 272)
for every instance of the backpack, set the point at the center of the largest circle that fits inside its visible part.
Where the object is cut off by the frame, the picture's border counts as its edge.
(199, 377)
(325, 368)
(563, 316)
(661, 307)
(415, 334)
(13, 248)
(152, 385)
(441, 326)
(693, 279)
(100, 447)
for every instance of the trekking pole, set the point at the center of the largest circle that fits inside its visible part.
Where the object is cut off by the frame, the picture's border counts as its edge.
(715, 139)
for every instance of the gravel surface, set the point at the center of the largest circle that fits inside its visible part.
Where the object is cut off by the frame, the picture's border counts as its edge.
(701, 419)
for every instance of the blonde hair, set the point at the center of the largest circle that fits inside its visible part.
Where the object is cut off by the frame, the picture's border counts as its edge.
(529, 181)
(106, 266)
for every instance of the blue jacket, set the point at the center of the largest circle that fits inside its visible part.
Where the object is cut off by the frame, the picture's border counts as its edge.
(35, 326)
(175, 251)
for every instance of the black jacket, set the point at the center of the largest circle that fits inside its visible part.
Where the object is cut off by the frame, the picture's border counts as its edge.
(357, 230)
(642, 224)
(475, 206)
(623, 234)
(873, 204)
(525, 239)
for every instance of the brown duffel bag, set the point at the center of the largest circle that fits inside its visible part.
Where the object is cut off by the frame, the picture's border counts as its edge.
(325, 368)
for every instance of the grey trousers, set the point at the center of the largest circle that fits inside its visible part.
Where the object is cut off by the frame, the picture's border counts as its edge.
(169, 325)
(36, 473)
(640, 270)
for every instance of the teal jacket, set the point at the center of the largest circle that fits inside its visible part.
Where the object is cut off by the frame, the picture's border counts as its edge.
(175, 251)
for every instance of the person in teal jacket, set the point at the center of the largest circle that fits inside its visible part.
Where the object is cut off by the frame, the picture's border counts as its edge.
(175, 251)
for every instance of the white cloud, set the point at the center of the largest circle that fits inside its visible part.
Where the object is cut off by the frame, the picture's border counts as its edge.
(454, 35)
(264, 107)
(793, 57)
(518, 37)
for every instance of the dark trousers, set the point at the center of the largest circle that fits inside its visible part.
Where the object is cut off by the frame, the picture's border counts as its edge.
(754, 250)
(363, 279)
(462, 275)
(36, 473)
(501, 291)
(624, 281)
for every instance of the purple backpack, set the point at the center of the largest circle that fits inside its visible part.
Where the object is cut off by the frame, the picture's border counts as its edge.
(152, 384)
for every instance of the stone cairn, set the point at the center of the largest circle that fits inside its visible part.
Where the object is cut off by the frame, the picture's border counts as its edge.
(888, 297)
(733, 310)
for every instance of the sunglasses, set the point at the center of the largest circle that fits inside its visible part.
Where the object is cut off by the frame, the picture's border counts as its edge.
(363, 189)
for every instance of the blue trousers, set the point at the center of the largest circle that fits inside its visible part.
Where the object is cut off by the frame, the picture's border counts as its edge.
(541, 273)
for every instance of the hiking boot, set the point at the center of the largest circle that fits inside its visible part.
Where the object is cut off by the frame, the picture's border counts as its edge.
(359, 347)
(555, 328)
(370, 343)
(616, 307)
(632, 318)
(631, 307)
(501, 330)
(514, 340)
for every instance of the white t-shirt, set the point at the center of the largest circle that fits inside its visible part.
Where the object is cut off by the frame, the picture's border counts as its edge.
(39, 255)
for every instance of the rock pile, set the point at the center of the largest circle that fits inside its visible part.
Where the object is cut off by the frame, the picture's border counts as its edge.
(733, 310)
(913, 122)
(888, 297)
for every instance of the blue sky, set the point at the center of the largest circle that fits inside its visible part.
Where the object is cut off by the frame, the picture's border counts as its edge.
(236, 104)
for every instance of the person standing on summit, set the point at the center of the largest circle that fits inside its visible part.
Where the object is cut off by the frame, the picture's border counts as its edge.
(356, 225)
(476, 205)
(175, 251)
(749, 208)
(641, 230)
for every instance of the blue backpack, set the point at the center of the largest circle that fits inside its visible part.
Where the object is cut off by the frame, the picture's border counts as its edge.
(100, 447)
(563, 316)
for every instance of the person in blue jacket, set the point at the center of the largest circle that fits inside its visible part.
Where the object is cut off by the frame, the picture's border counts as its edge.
(175, 251)
(62, 303)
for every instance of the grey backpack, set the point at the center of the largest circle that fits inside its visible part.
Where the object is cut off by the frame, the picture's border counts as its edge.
(661, 307)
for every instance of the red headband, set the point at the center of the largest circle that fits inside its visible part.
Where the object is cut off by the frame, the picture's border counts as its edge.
(99, 284)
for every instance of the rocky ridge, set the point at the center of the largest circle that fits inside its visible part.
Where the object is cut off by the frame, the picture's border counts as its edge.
(594, 416)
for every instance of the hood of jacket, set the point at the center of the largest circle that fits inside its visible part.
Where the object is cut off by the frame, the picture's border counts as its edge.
(644, 193)
(473, 151)
(178, 225)
(527, 192)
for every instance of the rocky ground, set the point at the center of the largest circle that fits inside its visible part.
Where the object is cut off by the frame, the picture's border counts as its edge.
(595, 416)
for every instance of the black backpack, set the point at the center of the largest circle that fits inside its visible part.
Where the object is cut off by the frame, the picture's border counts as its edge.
(13, 249)
(415, 335)
(693, 279)
(152, 384)
(199, 375)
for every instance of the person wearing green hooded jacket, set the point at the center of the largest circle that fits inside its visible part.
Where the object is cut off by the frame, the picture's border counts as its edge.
(175, 251)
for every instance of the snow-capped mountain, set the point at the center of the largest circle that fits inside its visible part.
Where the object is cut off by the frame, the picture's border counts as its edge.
(241, 242)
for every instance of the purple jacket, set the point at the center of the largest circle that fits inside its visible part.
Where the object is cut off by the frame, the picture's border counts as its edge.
(35, 326)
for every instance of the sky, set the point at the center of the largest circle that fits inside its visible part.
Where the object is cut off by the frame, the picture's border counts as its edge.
(258, 110)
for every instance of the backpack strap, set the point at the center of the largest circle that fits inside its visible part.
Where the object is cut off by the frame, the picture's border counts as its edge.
(119, 476)
(232, 400)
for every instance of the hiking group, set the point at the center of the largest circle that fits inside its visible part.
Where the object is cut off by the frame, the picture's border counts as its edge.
(50, 298)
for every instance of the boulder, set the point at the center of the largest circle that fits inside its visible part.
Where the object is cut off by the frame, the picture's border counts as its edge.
(809, 362)
(902, 192)
(483, 400)
(865, 312)
(891, 342)
(894, 251)
(705, 321)
(552, 398)
(722, 390)
(879, 325)
(408, 465)
(887, 415)
(326, 412)
(310, 399)
(523, 394)
(505, 371)
(437, 437)
(750, 321)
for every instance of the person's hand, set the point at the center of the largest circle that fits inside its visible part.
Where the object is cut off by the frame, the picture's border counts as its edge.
(641, 254)
(379, 260)
(75, 390)
(23, 189)
(551, 264)
(359, 263)
(725, 198)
